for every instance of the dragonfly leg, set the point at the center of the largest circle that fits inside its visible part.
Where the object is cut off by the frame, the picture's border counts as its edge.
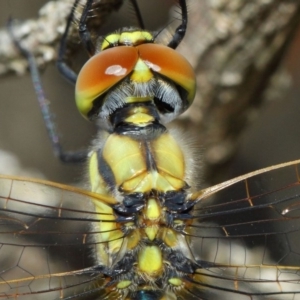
(67, 157)
(61, 64)
(181, 29)
(84, 34)
(138, 14)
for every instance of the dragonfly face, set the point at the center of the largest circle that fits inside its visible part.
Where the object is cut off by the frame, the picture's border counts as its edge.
(143, 232)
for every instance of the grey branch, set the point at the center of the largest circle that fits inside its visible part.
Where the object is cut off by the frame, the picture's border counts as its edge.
(41, 35)
(236, 48)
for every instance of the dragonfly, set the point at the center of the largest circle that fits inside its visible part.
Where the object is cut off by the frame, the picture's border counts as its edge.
(143, 230)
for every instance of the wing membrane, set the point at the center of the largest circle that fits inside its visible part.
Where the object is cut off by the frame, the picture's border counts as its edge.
(247, 237)
(47, 244)
(244, 236)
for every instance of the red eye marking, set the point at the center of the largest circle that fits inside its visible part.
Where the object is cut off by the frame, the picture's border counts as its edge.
(171, 64)
(102, 72)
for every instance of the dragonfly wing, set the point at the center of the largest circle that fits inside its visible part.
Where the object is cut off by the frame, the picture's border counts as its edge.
(47, 244)
(246, 238)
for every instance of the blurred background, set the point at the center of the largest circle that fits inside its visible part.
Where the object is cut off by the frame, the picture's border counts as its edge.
(273, 137)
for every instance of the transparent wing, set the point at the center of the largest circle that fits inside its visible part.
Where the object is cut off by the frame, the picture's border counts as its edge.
(246, 237)
(46, 239)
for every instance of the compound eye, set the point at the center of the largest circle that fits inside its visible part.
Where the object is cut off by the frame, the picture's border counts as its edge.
(171, 64)
(101, 73)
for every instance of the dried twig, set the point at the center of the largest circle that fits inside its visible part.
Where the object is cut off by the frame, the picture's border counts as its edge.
(238, 48)
(41, 35)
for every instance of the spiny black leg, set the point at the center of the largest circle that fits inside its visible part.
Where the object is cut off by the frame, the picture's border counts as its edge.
(62, 66)
(67, 157)
(138, 14)
(181, 29)
(84, 34)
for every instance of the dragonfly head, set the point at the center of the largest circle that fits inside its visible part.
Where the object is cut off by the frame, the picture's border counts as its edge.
(131, 68)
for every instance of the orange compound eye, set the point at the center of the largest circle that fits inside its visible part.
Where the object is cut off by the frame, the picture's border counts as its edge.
(171, 64)
(102, 72)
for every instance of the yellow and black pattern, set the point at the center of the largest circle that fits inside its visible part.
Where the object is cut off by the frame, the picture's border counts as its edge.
(142, 165)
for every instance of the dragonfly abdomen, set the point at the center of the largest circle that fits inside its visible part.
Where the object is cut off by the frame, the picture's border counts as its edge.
(140, 170)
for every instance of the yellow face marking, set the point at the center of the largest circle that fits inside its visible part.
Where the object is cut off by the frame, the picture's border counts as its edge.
(141, 72)
(138, 100)
(139, 118)
(139, 115)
